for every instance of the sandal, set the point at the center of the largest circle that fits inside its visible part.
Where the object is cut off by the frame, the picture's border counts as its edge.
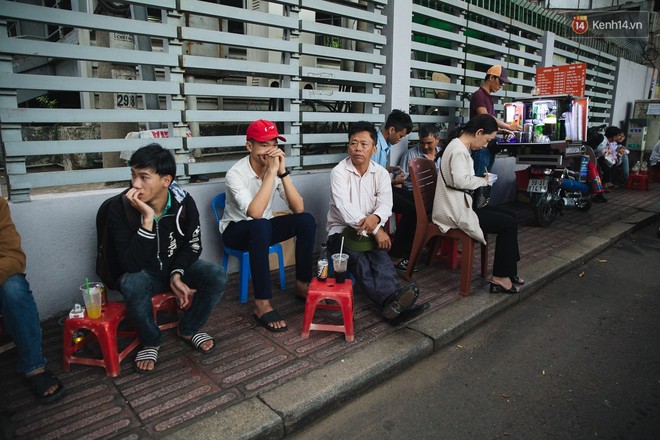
(146, 354)
(42, 382)
(517, 280)
(197, 340)
(269, 318)
(496, 288)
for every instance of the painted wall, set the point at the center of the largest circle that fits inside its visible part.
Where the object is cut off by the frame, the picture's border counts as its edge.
(633, 82)
(59, 234)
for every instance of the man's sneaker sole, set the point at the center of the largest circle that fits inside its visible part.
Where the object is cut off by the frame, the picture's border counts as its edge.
(404, 299)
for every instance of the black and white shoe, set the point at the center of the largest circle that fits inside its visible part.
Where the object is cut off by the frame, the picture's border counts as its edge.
(403, 265)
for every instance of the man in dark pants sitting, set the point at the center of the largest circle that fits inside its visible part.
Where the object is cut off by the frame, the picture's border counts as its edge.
(360, 204)
(248, 222)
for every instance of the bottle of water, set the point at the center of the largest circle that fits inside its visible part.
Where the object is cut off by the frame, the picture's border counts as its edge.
(635, 168)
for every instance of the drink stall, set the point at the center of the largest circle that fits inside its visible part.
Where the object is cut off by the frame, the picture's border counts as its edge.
(551, 143)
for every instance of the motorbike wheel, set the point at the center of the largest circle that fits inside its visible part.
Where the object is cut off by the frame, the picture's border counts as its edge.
(586, 206)
(545, 211)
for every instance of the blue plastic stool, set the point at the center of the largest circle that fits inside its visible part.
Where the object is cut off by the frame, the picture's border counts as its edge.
(244, 256)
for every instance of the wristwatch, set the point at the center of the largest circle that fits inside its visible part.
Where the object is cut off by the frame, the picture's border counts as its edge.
(284, 174)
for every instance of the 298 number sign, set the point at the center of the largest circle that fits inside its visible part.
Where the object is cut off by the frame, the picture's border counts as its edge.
(125, 100)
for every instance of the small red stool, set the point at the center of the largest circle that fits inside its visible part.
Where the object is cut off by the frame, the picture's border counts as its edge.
(339, 292)
(447, 253)
(105, 331)
(639, 182)
(654, 175)
(166, 302)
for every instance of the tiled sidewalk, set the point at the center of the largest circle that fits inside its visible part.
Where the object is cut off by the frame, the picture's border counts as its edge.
(249, 360)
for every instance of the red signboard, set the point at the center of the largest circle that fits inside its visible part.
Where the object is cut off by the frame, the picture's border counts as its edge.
(561, 80)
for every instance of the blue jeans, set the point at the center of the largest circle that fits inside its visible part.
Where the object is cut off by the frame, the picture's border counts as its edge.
(138, 288)
(21, 319)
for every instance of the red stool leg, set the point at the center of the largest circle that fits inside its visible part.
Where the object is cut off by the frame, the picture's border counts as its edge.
(108, 343)
(347, 313)
(310, 308)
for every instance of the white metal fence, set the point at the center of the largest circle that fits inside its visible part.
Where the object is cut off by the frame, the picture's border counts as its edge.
(312, 66)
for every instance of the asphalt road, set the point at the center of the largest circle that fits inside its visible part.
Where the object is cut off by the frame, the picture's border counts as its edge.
(579, 359)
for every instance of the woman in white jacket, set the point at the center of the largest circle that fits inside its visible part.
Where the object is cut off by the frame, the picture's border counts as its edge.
(452, 206)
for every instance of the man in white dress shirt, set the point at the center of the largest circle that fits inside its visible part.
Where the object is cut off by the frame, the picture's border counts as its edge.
(360, 204)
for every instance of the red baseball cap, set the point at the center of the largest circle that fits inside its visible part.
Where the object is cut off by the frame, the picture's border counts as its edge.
(263, 131)
(500, 72)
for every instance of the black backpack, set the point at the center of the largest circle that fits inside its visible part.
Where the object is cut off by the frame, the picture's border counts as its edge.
(108, 267)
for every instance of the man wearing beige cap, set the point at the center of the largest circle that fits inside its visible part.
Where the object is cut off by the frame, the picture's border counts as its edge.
(248, 223)
(482, 102)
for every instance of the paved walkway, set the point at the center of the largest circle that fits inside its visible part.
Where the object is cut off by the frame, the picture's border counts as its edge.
(259, 384)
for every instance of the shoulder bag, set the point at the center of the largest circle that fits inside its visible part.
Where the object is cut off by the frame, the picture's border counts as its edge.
(480, 196)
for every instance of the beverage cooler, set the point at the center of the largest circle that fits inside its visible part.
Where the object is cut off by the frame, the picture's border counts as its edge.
(553, 127)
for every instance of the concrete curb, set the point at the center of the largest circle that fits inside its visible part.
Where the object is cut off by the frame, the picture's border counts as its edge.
(282, 410)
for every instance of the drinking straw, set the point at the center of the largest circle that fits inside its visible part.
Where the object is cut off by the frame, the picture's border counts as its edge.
(89, 295)
(341, 247)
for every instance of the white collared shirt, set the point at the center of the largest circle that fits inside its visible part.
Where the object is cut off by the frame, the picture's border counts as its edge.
(354, 197)
(242, 185)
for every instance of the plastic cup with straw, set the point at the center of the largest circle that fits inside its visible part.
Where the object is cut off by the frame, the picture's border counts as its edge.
(92, 297)
(340, 263)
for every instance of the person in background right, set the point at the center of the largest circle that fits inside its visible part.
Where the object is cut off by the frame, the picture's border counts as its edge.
(452, 206)
(613, 158)
(655, 156)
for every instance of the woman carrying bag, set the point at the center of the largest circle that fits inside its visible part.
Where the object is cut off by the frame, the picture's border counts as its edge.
(452, 206)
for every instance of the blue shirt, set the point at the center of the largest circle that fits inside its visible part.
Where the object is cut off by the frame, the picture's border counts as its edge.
(382, 151)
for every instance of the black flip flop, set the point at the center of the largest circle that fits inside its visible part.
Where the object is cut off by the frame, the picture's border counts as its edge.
(268, 318)
(41, 382)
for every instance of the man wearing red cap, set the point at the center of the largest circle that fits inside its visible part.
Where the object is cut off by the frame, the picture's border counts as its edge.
(482, 102)
(248, 223)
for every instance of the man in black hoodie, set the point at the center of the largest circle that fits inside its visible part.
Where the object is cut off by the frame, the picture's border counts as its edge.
(158, 239)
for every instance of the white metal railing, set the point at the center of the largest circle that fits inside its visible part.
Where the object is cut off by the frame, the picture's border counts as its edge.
(312, 66)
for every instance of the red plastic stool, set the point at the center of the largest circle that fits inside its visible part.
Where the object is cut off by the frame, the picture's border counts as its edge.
(448, 253)
(654, 175)
(639, 182)
(104, 329)
(339, 292)
(165, 302)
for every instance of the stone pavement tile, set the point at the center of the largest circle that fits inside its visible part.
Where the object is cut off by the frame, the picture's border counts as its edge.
(259, 384)
(321, 390)
(444, 326)
(232, 423)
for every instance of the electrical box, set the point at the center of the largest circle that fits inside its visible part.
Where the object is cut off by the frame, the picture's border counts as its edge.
(636, 137)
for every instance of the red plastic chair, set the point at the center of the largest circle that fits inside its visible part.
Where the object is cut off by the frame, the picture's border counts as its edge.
(424, 175)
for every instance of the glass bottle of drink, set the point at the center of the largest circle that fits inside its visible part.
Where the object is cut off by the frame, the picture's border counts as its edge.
(322, 265)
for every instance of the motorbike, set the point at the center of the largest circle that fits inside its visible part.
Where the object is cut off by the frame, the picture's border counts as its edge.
(552, 190)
